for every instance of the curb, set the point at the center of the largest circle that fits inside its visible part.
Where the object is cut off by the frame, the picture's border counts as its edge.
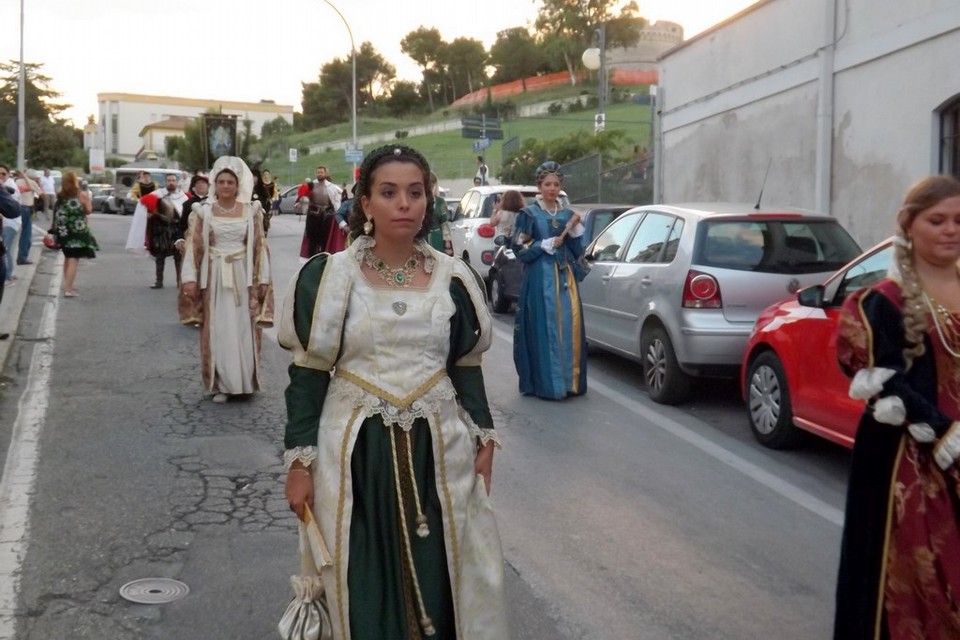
(15, 299)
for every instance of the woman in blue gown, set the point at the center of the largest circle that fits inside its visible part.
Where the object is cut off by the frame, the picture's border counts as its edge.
(549, 347)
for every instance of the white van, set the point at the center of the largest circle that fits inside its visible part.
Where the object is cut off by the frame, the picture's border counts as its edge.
(125, 177)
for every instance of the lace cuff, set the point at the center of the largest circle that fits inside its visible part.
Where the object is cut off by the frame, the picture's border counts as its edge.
(304, 455)
(485, 435)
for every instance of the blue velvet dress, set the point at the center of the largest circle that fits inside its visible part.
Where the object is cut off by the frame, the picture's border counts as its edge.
(549, 343)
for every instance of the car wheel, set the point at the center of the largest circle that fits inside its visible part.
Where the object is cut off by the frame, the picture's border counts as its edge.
(666, 382)
(500, 303)
(104, 207)
(768, 404)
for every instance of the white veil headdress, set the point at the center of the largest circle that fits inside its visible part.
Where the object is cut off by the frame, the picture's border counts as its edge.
(244, 175)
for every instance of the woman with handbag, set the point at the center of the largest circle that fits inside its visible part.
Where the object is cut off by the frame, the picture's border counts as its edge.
(549, 349)
(72, 230)
(227, 288)
(389, 436)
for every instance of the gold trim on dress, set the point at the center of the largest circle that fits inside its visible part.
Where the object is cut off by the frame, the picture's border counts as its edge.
(575, 326)
(341, 504)
(398, 402)
(318, 329)
(868, 329)
(451, 522)
(881, 585)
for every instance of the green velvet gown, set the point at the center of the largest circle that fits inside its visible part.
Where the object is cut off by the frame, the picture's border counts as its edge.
(366, 357)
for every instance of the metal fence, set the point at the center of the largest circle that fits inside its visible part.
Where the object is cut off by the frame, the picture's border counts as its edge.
(581, 179)
(584, 180)
(508, 148)
(630, 183)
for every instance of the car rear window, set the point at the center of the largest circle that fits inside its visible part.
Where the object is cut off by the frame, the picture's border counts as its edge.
(775, 245)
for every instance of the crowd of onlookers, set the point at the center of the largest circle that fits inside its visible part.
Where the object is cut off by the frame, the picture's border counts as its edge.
(36, 194)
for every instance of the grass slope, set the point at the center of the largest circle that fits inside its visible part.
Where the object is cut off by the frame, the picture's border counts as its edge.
(452, 156)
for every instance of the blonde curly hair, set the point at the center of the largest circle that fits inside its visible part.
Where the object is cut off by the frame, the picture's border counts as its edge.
(926, 193)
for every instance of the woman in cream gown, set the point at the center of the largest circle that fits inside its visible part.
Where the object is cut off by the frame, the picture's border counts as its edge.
(226, 287)
(389, 436)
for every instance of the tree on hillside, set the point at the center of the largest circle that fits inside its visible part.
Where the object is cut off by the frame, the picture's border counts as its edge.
(374, 74)
(329, 100)
(515, 55)
(465, 60)
(570, 25)
(50, 140)
(276, 128)
(322, 106)
(426, 48)
(404, 99)
(520, 167)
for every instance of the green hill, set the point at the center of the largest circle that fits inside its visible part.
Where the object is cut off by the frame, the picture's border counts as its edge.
(452, 156)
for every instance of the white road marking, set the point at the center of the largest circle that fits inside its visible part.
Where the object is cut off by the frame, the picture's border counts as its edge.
(714, 450)
(20, 469)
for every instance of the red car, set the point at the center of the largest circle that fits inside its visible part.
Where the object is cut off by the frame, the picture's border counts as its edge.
(791, 381)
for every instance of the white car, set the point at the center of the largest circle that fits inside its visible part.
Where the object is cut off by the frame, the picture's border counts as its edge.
(470, 224)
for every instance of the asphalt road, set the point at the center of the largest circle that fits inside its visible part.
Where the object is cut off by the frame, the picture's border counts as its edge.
(619, 518)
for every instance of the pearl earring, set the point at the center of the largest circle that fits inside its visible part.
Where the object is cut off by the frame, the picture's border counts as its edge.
(368, 226)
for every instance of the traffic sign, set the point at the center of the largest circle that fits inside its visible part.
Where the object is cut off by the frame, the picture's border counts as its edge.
(481, 144)
(293, 154)
(599, 122)
(353, 155)
(480, 121)
(478, 132)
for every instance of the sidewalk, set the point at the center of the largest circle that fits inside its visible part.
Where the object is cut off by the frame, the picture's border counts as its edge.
(15, 298)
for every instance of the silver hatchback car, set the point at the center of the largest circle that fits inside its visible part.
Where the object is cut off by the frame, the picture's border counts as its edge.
(678, 287)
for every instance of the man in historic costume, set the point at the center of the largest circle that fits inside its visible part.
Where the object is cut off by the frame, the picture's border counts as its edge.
(163, 208)
(138, 223)
(199, 188)
(321, 204)
(197, 193)
(142, 186)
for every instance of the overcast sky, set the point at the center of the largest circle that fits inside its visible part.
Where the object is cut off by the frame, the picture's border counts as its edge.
(250, 50)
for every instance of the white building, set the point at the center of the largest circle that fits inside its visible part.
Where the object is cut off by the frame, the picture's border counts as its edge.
(848, 102)
(129, 122)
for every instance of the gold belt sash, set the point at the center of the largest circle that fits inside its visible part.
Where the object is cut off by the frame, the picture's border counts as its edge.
(229, 270)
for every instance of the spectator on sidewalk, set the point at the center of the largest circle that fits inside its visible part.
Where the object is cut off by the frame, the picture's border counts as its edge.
(11, 226)
(28, 193)
(10, 210)
(49, 186)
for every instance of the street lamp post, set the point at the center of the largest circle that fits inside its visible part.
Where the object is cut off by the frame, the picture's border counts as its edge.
(21, 104)
(595, 58)
(353, 54)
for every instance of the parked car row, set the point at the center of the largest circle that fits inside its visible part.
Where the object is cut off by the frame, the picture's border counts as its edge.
(790, 377)
(506, 271)
(702, 290)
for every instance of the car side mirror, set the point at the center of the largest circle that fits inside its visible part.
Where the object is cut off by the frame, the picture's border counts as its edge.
(811, 296)
(501, 241)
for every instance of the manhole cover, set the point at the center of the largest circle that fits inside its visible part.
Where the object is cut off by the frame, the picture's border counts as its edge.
(154, 590)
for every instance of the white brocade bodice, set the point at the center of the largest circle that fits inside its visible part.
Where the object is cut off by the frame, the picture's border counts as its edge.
(229, 233)
(395, 346)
